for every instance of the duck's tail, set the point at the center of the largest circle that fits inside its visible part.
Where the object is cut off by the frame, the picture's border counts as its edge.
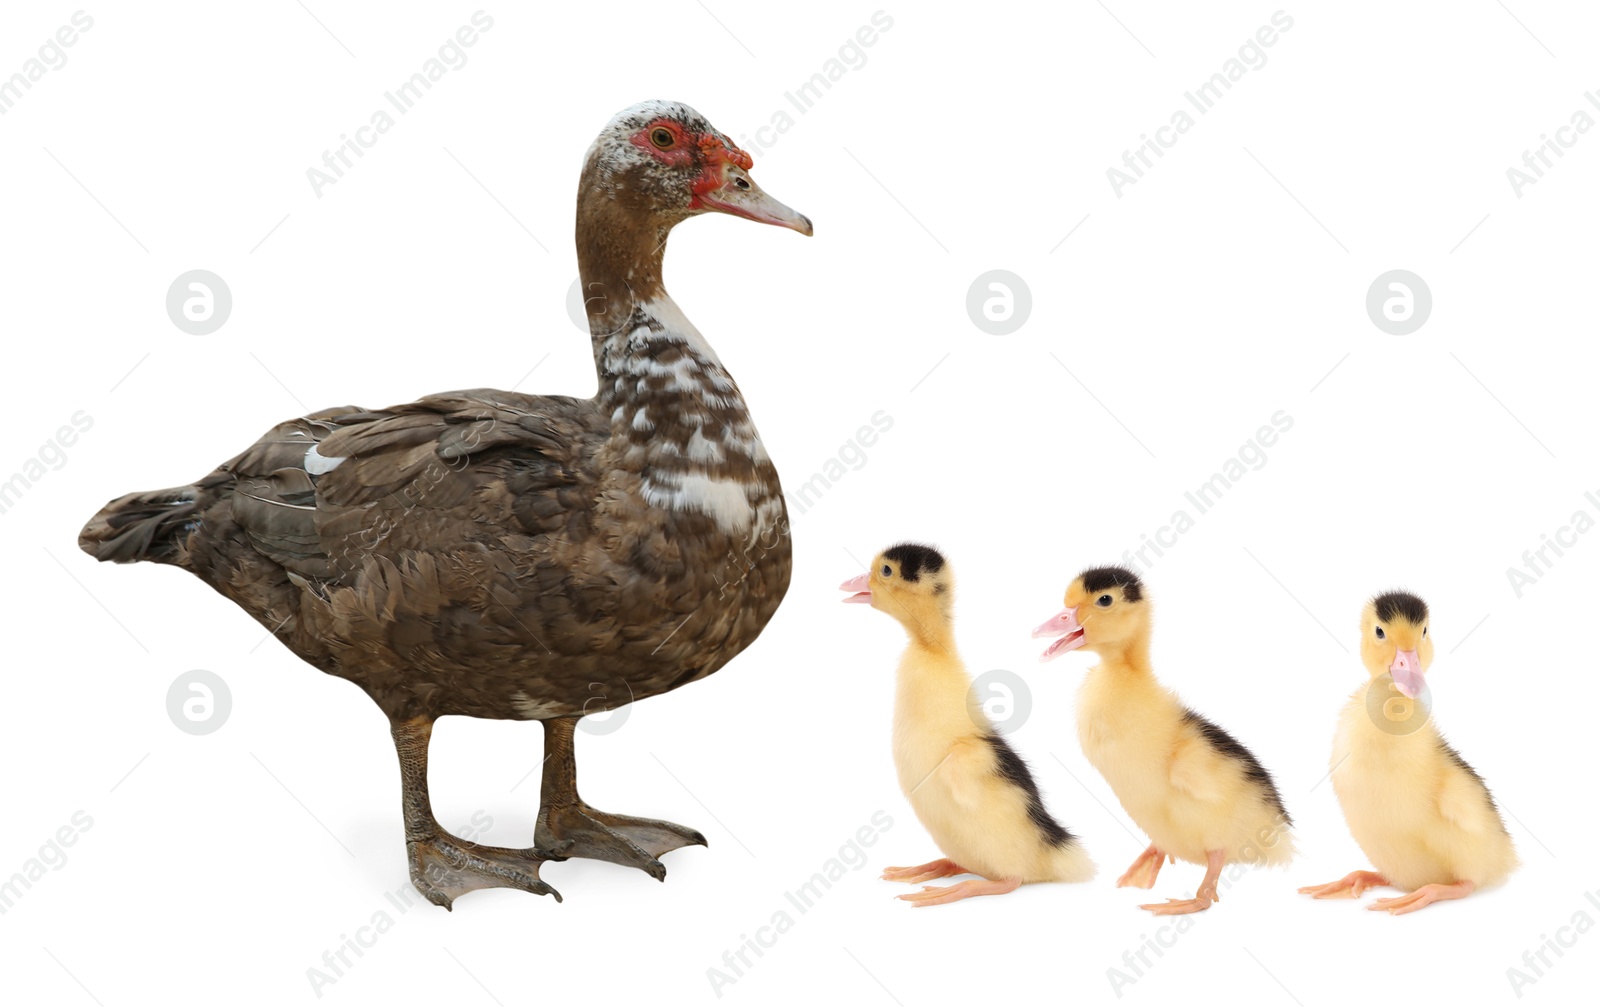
(152, 526)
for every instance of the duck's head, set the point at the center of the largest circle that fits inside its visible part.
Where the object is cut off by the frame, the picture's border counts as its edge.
(1106, 612)
(1395, 640)
(911, 582)
(662, 162)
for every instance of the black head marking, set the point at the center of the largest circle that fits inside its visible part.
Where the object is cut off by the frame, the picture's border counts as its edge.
(1399, 603)
(914, 559)
(1103, 578)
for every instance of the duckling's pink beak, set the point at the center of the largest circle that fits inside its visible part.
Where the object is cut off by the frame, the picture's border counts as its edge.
(1064, 624)
(862, 585)
(1407, 673)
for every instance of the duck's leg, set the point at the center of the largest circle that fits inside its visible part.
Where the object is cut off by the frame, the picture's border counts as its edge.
(1203, 898)
(570, 828)
(445, 867)
(1348, 887)
(1423, 897)
(1144, 871)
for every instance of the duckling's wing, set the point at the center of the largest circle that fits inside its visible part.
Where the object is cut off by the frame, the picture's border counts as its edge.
(961, 774)
(1464, 799)
(1197, 770)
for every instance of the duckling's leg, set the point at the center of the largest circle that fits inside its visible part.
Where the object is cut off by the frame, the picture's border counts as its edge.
(1425, 896)
(1144, 870)
(1349, 887)
(444, 867)
(929, 871)
(1202, 899)
(570, 828)
(932, 896)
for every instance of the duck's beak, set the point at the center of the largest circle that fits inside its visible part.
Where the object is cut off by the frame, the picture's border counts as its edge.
(862, 586)
(741, 196)
(1065, 625)
(1407, 673)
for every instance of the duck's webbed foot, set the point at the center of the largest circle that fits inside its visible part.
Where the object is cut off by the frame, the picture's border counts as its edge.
(1145, 869)
(1348, 887)
(935, 896)
(1423, 897)
(930, 871)
(577, 830)
(444, 868)
(1204, 896)
(569, 827)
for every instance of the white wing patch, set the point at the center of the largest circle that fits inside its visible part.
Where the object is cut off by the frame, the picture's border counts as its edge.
(317, 464)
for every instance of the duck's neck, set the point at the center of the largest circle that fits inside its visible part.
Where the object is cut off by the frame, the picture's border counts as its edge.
(643, 344)
(670, 400)
(932, 681)
(1132, 658)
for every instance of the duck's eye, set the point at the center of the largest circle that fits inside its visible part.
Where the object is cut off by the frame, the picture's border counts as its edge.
(662, 138)
(1104, 601)
(1424, 631)
(888, 571)
(1380, 632)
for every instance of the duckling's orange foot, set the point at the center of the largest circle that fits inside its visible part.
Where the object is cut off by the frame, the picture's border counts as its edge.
(932, 896)
(930, 871)
(1423, 897)
(1349, 887)
(1144, 870)
(577, 830)
(1179, 907)
(445, 868)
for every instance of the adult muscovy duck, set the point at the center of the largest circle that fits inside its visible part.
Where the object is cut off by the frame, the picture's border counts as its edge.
(492, 554)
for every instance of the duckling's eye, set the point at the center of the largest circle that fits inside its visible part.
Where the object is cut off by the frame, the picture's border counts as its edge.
(662, 138)
(1380, 632)
(1424, 631)
(888, 571)
(1104, 601)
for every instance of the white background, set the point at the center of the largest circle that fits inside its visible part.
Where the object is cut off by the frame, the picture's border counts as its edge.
(1226, 285)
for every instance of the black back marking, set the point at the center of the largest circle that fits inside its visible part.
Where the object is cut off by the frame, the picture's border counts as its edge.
(1227, 746)
(914, 559)
(1461, 764)
(1102, 578)
(1401, 603)
(1010, 767)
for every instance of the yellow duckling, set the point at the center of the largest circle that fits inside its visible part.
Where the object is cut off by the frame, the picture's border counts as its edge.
(969, 788)
(1419, 812)
(1197, 793)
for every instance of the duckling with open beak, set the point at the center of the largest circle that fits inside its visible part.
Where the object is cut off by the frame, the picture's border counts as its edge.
(1197, 793)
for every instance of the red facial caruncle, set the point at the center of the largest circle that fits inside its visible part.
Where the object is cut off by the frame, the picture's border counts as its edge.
(671, 144)
(720, 180)
(715, 156)
(667, 141)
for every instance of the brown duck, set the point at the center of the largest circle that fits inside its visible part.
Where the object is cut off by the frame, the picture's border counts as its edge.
(492, 554)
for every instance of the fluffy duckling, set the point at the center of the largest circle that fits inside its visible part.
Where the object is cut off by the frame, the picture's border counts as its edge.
(1197, 793)
(1419, 812)
(970, 790)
